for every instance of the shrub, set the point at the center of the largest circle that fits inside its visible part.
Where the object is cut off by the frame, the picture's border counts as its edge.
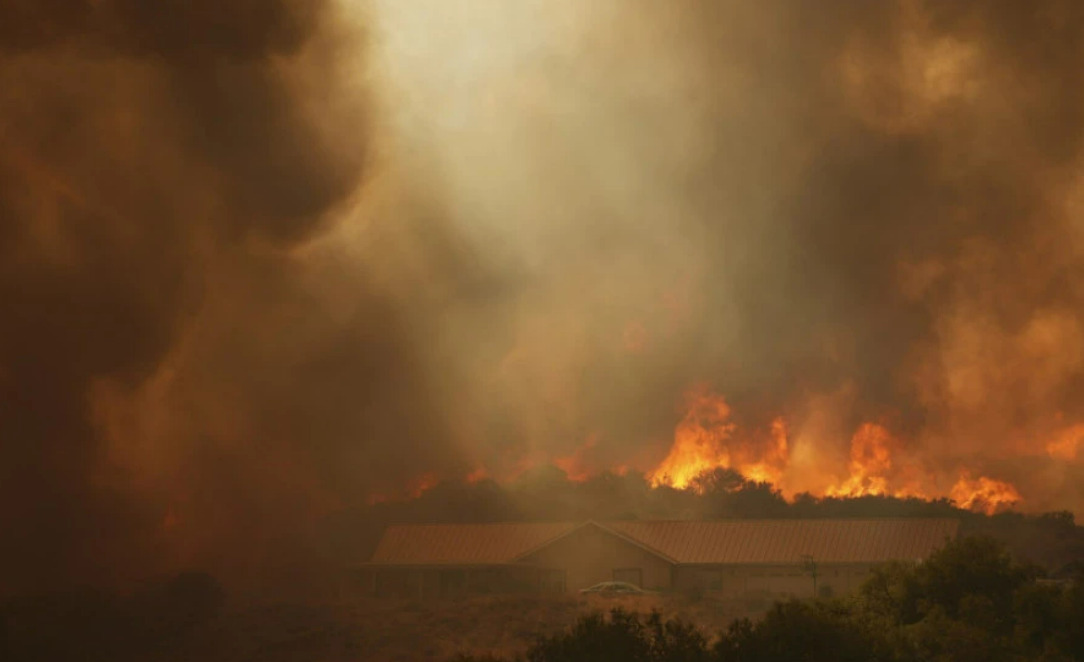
(623, 637)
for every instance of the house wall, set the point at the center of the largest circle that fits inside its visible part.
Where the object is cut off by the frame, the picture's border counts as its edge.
(590, 555)
(448, 581)
(778, 580)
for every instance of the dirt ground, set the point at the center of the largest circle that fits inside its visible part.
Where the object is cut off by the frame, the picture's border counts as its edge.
(386, 631)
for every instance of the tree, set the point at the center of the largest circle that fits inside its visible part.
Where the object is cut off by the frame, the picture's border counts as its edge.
(801, 632)
(623, 637)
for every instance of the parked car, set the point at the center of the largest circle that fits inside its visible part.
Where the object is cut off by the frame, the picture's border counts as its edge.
(614, 589)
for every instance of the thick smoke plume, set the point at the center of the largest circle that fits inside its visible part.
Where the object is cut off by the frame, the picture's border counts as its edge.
(161, 165)
(835, 216)
(260, 266)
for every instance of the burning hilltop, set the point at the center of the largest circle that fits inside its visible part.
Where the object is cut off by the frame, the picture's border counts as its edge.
(878, 464)
(706, 440)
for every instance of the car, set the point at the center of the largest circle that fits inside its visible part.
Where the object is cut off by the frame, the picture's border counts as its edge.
(614, 589)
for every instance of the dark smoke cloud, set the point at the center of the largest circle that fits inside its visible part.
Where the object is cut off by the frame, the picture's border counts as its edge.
(160, 166)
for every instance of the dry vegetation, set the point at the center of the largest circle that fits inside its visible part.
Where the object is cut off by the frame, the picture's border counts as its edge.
(384, 631)
(971, 600)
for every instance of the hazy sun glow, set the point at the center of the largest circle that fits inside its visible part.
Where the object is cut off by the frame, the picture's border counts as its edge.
(490, 102)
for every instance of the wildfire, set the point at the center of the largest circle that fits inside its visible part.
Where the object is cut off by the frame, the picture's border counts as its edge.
(1067, 443)
(414, 489)
(774, 459)
(700, 440)
(477, 476)
(871, 466)
(575, 465)
(422, 484)
(706, 439)
(984, 494)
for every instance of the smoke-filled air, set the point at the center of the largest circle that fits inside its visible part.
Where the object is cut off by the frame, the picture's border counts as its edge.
(266, 262)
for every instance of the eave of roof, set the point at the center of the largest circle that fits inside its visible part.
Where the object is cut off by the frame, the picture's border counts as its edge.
(678, 542)
(699, 542)
(440, 564)
(466, 544)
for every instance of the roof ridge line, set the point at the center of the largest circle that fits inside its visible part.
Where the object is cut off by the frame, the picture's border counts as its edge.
(782, 519)
(603, 527)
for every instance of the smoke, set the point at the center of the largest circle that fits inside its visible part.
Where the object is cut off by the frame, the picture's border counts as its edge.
(838, 215)
(261, 262)
(169, 367)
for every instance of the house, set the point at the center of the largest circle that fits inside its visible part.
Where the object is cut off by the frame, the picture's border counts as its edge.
(728, 557)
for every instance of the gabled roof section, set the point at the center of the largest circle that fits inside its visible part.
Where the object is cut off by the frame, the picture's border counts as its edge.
(786, 541)
(464, 544)
(605, 529)
(681, 542)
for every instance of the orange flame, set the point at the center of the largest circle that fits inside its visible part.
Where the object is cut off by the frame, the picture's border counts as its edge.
(871, 460)
(984, 494)
(423, 484)
(700, 440)
(1067, 443)
(769, 469)
(705, 440)
(575, 465)
(477, 476)
(414, 489)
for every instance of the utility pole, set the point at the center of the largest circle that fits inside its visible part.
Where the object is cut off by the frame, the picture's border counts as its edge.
(811, 567)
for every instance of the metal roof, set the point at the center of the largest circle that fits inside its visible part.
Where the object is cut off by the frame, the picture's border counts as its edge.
(785, 541)
(687, 542)
(464, 543)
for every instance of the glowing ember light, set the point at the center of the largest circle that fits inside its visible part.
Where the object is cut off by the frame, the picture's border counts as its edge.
(769, 469)
(414, 489)
(575, 465)
(871, 460)
(1067, 443)
(706, 439)
(423, 484)
(477, 476)
(984, 494)
(700, 440)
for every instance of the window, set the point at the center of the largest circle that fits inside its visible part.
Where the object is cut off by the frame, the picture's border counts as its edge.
(633, 576)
